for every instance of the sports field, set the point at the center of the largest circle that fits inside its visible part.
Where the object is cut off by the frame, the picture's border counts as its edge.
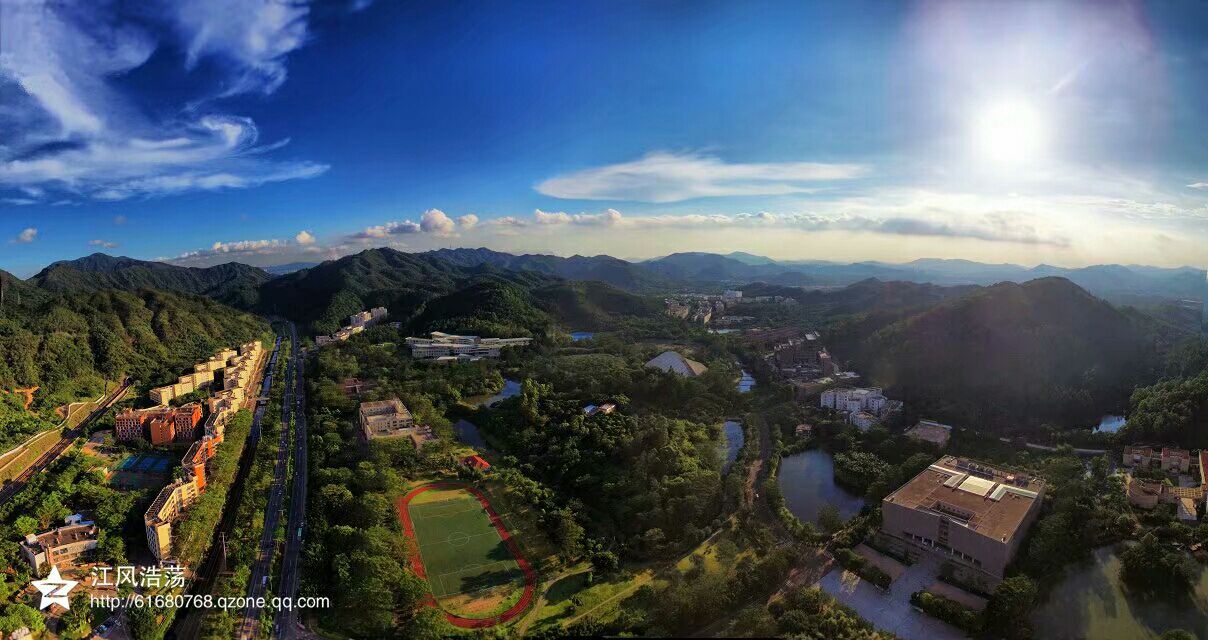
(475, 568)
(461, 549)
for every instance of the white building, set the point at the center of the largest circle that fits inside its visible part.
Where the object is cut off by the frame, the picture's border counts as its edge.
(731, 295)
(862, 420)
(855, 400)
(439, 346)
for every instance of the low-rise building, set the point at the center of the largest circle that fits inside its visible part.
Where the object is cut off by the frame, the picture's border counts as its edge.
(440, 345)
(476, 462)
(1148, 494)
(385, 419)
(863, 420)
(1138, 456)
(804, 430)
(972, 515)
(605, 408)
(61, 546)
(854, 400)
(1176, 460)
(931, 431)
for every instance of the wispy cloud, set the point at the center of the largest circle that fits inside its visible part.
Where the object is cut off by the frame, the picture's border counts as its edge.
(27, 235)
(78, 132)
(1198, 185)
(104, 244)
(671, 177)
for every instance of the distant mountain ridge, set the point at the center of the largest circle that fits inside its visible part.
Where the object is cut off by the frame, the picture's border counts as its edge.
(232, 283)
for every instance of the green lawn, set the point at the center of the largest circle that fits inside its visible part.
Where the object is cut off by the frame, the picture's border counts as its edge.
(461, 550)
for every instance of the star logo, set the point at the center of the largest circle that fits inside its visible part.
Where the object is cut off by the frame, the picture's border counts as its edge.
(54, 589)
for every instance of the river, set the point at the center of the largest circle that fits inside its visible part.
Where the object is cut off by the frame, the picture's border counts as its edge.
(734, 437)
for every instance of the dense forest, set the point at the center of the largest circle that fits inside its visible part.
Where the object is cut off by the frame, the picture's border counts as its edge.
(1013, 357)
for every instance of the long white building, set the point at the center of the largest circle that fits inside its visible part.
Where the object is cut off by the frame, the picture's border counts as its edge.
(439, 346)
(855, 400)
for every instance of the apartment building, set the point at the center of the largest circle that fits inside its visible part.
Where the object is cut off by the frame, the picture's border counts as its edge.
(160, 425)
(167, 507)
(854, 400)
(61, 546)
(1169, 459)
(446, 345)
(970, 514)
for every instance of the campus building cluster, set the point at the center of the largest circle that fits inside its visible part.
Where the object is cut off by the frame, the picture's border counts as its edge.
(704, 308)
(61, 546)
(447, 347)
(1148, 494)
(357, 323)
(865, 407)
(391, 419)
(969, 514)
(163, 425)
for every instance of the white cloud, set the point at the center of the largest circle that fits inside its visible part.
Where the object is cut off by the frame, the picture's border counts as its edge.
(435, 221)
(1198, 185)
(671, 177)
(608, 217)
(104, 244)
(20, 202)
(405, 227)
(27, 235)
(468, 221)
(79, 131)
(304, 238)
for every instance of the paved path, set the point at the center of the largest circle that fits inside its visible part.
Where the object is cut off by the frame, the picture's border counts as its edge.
(891, 610)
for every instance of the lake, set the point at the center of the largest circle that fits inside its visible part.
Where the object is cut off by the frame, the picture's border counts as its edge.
(510, 388)
(1090, 602)
(1110, 424)
(576, 336)
(807, 481)
(746, 383)
(467, 432)
(732, 431)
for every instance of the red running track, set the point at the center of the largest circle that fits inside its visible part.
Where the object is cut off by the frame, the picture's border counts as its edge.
(417, 563)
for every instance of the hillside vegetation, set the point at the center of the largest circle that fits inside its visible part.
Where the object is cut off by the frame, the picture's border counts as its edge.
(1012, 357)
(69, 346)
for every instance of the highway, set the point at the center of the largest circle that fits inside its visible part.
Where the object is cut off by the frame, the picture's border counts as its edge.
(263, 564)
(287, 621)
(187, 624)
(69, 435)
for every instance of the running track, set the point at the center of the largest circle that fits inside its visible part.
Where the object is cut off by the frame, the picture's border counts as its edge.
(417, 564)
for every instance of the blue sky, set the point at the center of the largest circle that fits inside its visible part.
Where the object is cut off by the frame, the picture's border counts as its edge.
(268, 133)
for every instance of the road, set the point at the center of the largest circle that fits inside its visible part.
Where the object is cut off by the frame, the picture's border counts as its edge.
(263, 564)
(69, 435)
(287, 621)
(187, 624)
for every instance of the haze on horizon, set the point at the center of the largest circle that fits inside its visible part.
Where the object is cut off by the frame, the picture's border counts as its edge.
(1067, 134)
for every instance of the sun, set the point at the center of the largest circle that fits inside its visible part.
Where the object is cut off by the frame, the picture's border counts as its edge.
(1009, 132)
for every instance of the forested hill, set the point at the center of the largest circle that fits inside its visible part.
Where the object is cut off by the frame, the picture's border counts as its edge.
(428, 292)
(614, 271)
(17, 292)
(1015, 356)
(69, 344)
(232, 283)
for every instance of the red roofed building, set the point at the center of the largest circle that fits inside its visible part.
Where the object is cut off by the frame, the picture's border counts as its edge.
(476, 462)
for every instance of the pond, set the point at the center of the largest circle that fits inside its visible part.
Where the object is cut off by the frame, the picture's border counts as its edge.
(510, 388)
(746, 382)
(576, 336)
(807, 481)
(732, 431)
(467, 432)
(1110, 424)
(1092, 603)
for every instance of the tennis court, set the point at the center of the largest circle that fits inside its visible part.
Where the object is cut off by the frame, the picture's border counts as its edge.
(461, 548)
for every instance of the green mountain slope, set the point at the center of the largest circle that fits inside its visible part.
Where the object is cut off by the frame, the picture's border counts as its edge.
(322, 297)
(607, 269)
(1014, 356)
(232, 283)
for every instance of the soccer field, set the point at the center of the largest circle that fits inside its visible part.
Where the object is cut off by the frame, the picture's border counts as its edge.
(461, 550)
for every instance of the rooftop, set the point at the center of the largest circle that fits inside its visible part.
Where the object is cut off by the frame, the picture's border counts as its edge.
(989, 501)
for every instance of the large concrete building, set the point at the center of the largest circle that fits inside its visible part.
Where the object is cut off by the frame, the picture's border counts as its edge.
(383, 418)
(969, 514)
(60, 546)
(160, 425)
(438, 346)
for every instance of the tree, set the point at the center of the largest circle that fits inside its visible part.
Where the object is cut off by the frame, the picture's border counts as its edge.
(1010, 607)
(569, 536)
(830, 519)
(25, 525)
(1177, 634)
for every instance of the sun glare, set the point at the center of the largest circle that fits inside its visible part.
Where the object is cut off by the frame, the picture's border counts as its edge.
(1009, 132)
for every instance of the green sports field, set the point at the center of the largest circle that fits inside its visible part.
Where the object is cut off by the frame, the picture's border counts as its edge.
(461, 550)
